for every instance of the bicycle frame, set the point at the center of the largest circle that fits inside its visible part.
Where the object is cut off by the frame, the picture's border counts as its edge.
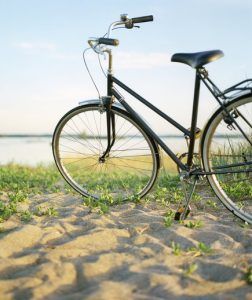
(201, 75)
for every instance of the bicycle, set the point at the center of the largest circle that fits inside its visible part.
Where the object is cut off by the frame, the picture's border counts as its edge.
(105, 150)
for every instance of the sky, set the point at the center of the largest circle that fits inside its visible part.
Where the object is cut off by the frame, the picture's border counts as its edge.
(43, 75)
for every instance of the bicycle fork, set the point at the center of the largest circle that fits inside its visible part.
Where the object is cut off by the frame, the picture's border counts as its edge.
(110, 116)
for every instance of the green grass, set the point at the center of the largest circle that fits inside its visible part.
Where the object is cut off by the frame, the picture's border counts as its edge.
(248, 275)
(169, 218)
(212, 204)
(190, 269)
(49, 211)
(238, 186)
(19, 183)
(176, 248)
(7, 210)
(26, 216)
(200, 250)
(194, 224)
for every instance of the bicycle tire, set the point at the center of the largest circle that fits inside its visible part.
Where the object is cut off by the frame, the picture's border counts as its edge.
(113, 180)
(223, 143)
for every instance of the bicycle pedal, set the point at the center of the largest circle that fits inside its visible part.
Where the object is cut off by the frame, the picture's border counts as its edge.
(180, 211)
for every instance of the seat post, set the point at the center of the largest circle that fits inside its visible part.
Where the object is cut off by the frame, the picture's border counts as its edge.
(194, 118)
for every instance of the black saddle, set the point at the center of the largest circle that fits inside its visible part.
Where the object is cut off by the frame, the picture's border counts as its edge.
(198, 59)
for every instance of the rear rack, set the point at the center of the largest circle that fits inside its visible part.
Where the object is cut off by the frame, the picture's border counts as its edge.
(240, 88)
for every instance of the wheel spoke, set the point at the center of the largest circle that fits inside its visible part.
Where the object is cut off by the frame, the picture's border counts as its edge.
(227, 147)
(130, 168)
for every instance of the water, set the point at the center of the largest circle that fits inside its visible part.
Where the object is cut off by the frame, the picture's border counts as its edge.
(26, 150)
(35, 150)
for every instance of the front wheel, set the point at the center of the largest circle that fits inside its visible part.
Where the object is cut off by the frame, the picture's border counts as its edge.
(128, 170)
(226, 150)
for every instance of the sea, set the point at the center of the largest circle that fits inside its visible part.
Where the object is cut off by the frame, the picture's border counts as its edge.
(34, 150)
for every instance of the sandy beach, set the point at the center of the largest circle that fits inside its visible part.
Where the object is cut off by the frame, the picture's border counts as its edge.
(127, 253)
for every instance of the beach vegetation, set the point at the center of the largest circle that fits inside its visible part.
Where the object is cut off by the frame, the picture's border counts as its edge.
(47, 211)
(212, 204)
(18, 183)
(6, 210)
(245, 225)
(169, 218)
(99, 206)
(176, 248)
(18, 196)
(200, 250)
(248, 275)
(194, 224)
(26, 216)
(190, 269)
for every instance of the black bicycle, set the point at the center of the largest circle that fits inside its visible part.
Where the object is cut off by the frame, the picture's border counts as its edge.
(105, 150)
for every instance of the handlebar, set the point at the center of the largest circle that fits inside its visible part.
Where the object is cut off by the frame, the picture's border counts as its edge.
(125, 22)
(109, 42)
(129, 23)
(142, 19)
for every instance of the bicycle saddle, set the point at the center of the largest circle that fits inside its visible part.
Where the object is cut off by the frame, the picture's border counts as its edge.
(198, 59)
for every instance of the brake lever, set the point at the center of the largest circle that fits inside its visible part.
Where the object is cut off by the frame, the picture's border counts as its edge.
(123, 27)
(99, 49)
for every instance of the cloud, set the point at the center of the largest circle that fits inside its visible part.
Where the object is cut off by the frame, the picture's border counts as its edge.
(49, 49)
(139, 60)
(63, 56)
(36, 46)
(122, 60)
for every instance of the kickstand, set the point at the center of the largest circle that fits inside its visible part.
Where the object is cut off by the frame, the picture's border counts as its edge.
(183, 211)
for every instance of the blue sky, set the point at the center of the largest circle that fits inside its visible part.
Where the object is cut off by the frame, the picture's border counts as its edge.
(43, 75)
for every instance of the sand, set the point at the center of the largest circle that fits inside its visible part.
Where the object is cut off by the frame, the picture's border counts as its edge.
(124, 254)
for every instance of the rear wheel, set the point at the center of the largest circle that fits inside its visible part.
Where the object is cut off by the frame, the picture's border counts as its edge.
(79, 142)
(227, 150)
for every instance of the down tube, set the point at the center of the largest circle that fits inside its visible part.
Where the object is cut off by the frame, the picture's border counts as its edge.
(149, 130)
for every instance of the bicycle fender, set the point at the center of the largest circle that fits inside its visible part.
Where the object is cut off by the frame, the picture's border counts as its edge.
(216, 112)
(98, 101)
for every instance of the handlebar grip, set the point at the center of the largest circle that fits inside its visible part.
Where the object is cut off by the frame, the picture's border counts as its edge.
(142, 19)
(110, 42)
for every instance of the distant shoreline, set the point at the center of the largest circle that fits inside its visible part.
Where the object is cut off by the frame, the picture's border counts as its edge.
(50, 136)
(47, 135)
(25, 135)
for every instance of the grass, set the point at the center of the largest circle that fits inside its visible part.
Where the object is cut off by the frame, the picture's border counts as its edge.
(26, 216)
(194, 224)
(6, 211)
(248, 275)
(190, 269)
(49, 211)
(200, 250)
(169, 218)
(19, 183)
(237, 185)
(212, 204)
(176, 248)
